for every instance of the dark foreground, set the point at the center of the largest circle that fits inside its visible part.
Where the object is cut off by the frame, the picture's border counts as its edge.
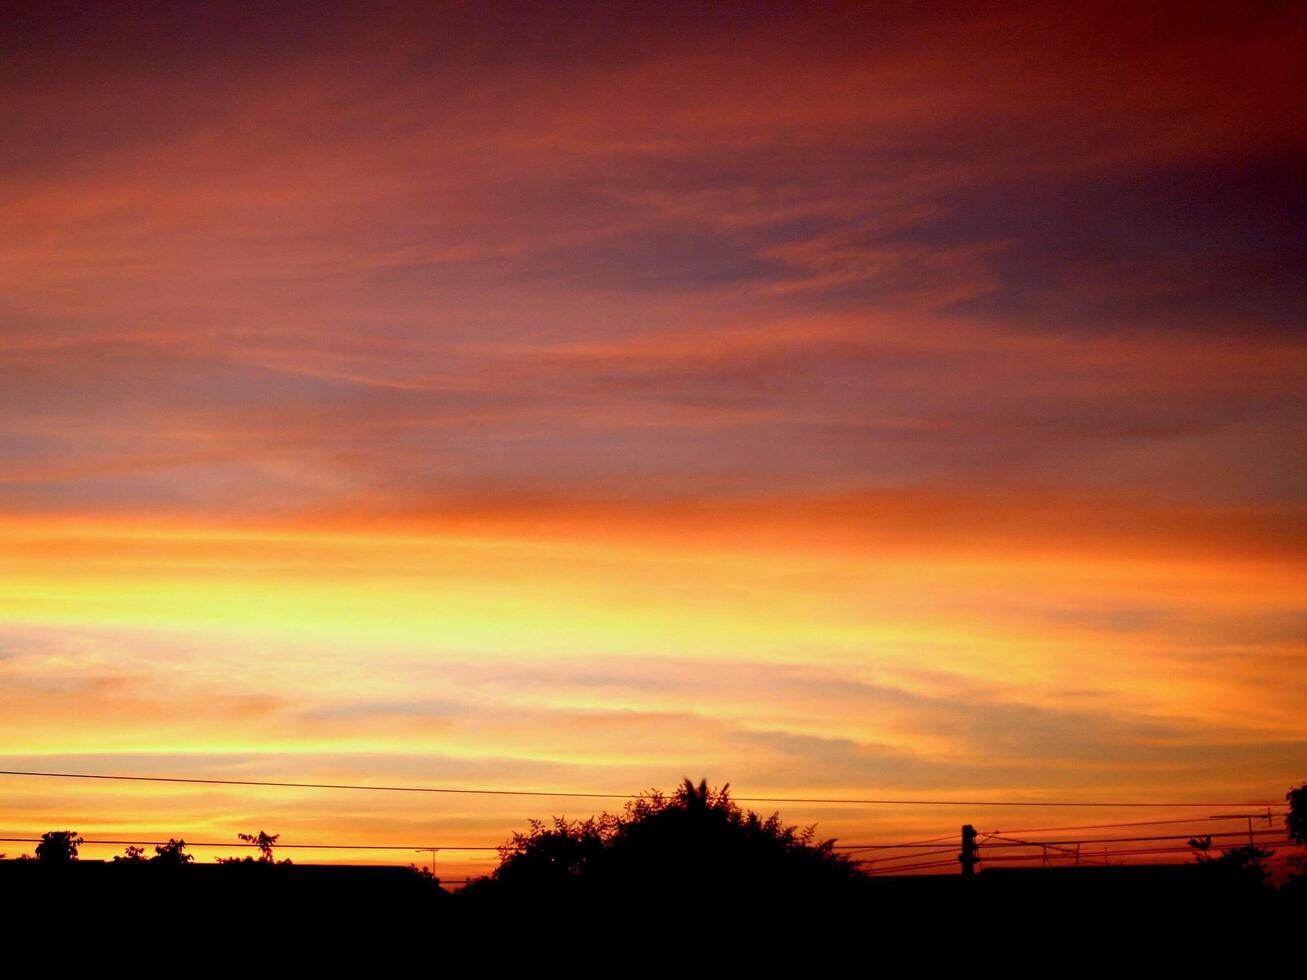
(315, 913)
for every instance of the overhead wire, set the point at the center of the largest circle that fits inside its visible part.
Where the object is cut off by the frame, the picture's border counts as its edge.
(578, 794)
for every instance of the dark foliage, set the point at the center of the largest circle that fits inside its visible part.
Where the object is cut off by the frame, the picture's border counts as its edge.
(132, 855)
(1241, 864)
(172, 853)
(693, 849)
(264, 842)
(425, 875)
(58, 846)
(1295, 821)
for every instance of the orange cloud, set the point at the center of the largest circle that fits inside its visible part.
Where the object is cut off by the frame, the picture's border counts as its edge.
(879, 399)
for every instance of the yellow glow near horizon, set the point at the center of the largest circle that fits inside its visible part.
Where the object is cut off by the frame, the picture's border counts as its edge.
(832, 405)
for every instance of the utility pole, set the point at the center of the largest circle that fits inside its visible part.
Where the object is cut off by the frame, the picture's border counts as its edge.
(1250, 817)
(423, 850)
(968, 857)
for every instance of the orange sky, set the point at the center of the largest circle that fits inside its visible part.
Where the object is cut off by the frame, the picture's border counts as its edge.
(879, 401)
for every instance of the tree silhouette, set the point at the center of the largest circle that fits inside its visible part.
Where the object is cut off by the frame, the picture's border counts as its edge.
(58, 846)
(132, 855)
(172, 854)
(1239, 863)
(425, 875)
(263, 841)
(695, 846)
(1295, 821)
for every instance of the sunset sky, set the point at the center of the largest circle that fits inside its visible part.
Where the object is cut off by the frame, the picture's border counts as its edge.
(884, 399)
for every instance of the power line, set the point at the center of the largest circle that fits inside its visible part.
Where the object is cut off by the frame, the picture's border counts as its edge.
(1135, 823)
(303, 785)
(886, 847)
(1025, 843)
(906, 857)
(914, 847)
(887, 872)
(319, 847)
(882, 865)
(620, 796)
(879, 847)
(1127, 840)
(1086, 859)
(1127, 852)
(441, 847)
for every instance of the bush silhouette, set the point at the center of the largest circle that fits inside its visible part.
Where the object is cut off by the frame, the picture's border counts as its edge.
(172, 853)
(264, 842)
(1295, 821)
(1243, 864)
(58, 846)
(693, 848)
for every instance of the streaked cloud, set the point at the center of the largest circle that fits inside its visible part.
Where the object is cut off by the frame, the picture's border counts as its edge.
(895, 399)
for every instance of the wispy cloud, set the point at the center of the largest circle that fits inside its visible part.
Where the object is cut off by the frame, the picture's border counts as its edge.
(892, 398)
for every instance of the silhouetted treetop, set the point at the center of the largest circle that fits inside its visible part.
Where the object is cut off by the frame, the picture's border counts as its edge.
(58, 846)
(264, 842)
(695, 843)
(132, 855)
(172, 853)
(1245, 863)
(1295, 821)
